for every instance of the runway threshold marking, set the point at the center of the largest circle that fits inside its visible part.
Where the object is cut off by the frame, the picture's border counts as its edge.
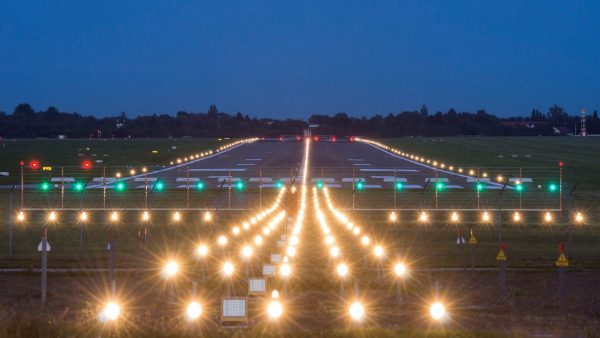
(390, 170)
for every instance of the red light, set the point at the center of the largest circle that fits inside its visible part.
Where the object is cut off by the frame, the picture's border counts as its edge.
(316, 138)
(34, 164)
(21, 163)
(561, 163)
(86, 164)
(334, 139)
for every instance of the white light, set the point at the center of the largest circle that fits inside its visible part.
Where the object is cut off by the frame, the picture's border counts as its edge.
(222, 240)
(356, 230)
(274, 309)
(114, 216)
(202, 250)
(176, 216)
(52, 216)
(334, 251)
(423, 217)
(342, 269)
(290, 251)
(378, 251)
(329, 240)
(146, 216)
(454, 216)
(548, 217)
(365, 240)
(485, 216)
(399, 269)
(236, 230)
(258, 240)
(578, 217)
(111, 311)
(83, 216)
(228, 269)
(516, 217)
(21, 216)
(393, 217)
(193, 311)
(207, 216)
(357, 311)
(246, 226)
(247, 251)
(285, 270)
(171, 269)
(437, 311)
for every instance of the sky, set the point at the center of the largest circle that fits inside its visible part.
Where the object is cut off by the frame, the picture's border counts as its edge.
(293, 59)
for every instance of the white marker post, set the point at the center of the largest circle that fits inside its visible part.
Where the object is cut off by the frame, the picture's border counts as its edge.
(44, 250)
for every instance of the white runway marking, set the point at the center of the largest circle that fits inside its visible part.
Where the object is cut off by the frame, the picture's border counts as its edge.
(437, 179)
(186, 179)
(362, 164)
(247, 164)
(356, 159)
(185, 186)
(324, 179)
(356, 179)
(267, 185)
(253, 159)
(454, 187)
(475, 179)
(263, 179)
(144, 179)
(392, 170)
(413, 186)
(390, 178)
(219, 176)
(217, 169)
(230, 179)
(372, 186)
(333, 185)
(522, 179)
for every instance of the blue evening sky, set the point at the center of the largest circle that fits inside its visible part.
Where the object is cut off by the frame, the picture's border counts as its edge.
(292, 59)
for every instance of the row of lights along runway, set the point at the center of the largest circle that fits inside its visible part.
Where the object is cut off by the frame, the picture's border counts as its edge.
(243, 241)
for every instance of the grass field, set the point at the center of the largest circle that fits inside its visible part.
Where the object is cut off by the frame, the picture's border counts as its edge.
(136, 152)
(578, 153)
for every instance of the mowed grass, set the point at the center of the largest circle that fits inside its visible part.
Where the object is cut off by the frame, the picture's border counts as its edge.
(134, 152)
(579, 154)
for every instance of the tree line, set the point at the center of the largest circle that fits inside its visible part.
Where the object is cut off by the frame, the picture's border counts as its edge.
(25, 122)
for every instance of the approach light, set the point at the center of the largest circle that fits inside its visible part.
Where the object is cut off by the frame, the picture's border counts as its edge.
(83, 216)
(365, 240)
(485, 217)
(170, 269)
(228, 269)
(579, 217)
(145, 216)
(342, 270)
(52, 216)
(516, 216)
(437, 311)
(207, 216)
(285, 270)
(20, 216)
(454, 217)
(247, 251)
(400, 269)
(222, 240)
(392, 217)
(202, 250)
(274, 309)
(548, 217)
(114, 216)
(378, 251)
(357, 311)
(193, 311)
(110, 312)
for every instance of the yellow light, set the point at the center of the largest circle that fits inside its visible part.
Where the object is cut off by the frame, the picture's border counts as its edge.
(228, 269)
(132, 172)
(400, 269)
(342, 269)
(485, 216)
(274, 309)
(516, 216)
(471, 172)
(437, 311)
(176, 216)
(579, 217)
(247, 251)
(454, 216)
(207, 216)
(83, 216)
(548, 217)
(393, 217)
(485, 175)
(499, 178)
(258, 240)
(52, 217)
(21, 216)
(357, 311)
(145, 216)
(378, 251)
(110, 312)
(114, 216)
(118, 175)
(285, 270)
(193, 311)
(202, 250)
(144, 169)
(222, 240)
(170, 269)
(365, 240)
